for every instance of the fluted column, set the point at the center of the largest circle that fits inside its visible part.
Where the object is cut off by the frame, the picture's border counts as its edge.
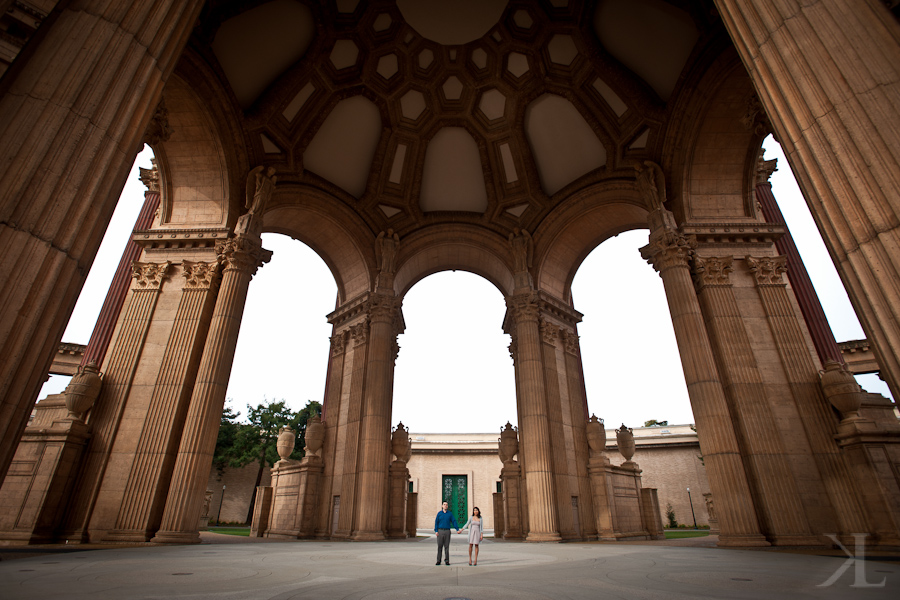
(534, 424)
(828, 75)
(118, 375)
(775, 492)
(816, 415)
(375, 426)
(669, 254)
(242, 256)
(71, 121)
(147, 484)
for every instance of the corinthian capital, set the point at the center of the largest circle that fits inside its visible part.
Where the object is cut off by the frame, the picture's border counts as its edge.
(768, 270)
(242, 253)
(385, 308)
(339, 343)
(524, 307)
(712, 271)
(670, 250)
(549, 332)
(148, 275)
(570, 339)
(199, 275)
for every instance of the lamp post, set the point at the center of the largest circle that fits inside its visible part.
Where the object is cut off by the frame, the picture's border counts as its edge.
(692, 508)
(222, 499)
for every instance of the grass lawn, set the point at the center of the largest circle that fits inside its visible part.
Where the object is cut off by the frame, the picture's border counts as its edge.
(245, 531)
(677, 535)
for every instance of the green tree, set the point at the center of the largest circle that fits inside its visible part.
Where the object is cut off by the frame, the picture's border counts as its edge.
(239, 444)
(655, 423)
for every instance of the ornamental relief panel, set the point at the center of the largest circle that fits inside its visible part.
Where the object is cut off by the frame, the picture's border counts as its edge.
(148, 275)
(768, 270)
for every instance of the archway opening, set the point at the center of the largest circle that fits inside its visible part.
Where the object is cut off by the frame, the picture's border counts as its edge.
(632, 369)
(454, 373)
(454, 387)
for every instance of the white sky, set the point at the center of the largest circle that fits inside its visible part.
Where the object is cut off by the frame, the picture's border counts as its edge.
(454, 373)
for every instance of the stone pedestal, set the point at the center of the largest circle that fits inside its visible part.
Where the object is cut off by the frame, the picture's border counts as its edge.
(412, 513)
(40, 479)
(262, 511)
(513, 526)
(619, 505)
(294, 502)
(399, 492)
(499, 518)
(604, 508)
(651, 514)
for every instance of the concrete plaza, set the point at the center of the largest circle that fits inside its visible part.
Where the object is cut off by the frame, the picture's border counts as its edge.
(226, 567)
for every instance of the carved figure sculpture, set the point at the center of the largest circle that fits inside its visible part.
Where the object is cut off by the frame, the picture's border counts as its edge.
(651, 184)
(260, 185)
(386, 251)
(523, 249)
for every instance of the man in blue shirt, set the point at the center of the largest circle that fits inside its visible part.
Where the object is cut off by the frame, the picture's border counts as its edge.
(442, 523)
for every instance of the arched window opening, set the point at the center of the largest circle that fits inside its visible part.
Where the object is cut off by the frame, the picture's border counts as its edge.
(454, 373)
(632, 370)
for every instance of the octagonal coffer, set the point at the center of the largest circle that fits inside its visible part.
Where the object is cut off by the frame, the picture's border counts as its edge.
(493, 104)
(382, 22)
(387, 66)
(426, 57)
(479, 58)
(452, 88)
(523, 19)
(562, 49)
(344, 54)
(517, 64)
(412, 104)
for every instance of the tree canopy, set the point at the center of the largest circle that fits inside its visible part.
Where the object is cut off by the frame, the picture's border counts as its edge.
(240, 443)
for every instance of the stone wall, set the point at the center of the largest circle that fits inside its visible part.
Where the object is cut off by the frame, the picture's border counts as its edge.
(239, 486)
(671, 470)
(427, 471)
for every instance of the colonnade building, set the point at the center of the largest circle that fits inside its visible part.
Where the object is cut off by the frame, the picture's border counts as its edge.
(398, 139)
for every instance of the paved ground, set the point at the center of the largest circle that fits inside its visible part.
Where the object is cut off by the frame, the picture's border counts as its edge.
(228, 567)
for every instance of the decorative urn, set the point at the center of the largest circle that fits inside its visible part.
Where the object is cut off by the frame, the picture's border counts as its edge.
(286, 441)
(840, 389)
(625, 442)
(596, 435)
(400, 442)
(509, 443)
(83, 390)
(315, 435)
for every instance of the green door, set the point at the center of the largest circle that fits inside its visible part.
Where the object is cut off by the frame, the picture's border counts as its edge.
(455, 493)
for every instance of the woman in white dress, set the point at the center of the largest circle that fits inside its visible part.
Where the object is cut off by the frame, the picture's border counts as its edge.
(476, 534)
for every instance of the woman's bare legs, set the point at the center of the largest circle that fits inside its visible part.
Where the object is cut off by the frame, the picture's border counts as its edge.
(470, 554)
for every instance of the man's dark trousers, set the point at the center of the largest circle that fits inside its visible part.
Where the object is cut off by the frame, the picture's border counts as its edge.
(443, 540)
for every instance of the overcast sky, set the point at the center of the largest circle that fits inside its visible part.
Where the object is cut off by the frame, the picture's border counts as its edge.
(454, 373)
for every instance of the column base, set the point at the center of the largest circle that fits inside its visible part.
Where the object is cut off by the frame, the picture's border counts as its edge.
(543, 537)
(742, 541)
(176, 537)
(128, 536)
(368, 536)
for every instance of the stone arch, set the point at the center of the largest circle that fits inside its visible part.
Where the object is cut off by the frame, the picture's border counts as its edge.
(334, 234)
(198, 164)
(710, 160)
(588, 218)
(456, 247)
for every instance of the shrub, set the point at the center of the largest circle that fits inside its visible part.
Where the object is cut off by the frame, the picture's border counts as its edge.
(670, 516)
